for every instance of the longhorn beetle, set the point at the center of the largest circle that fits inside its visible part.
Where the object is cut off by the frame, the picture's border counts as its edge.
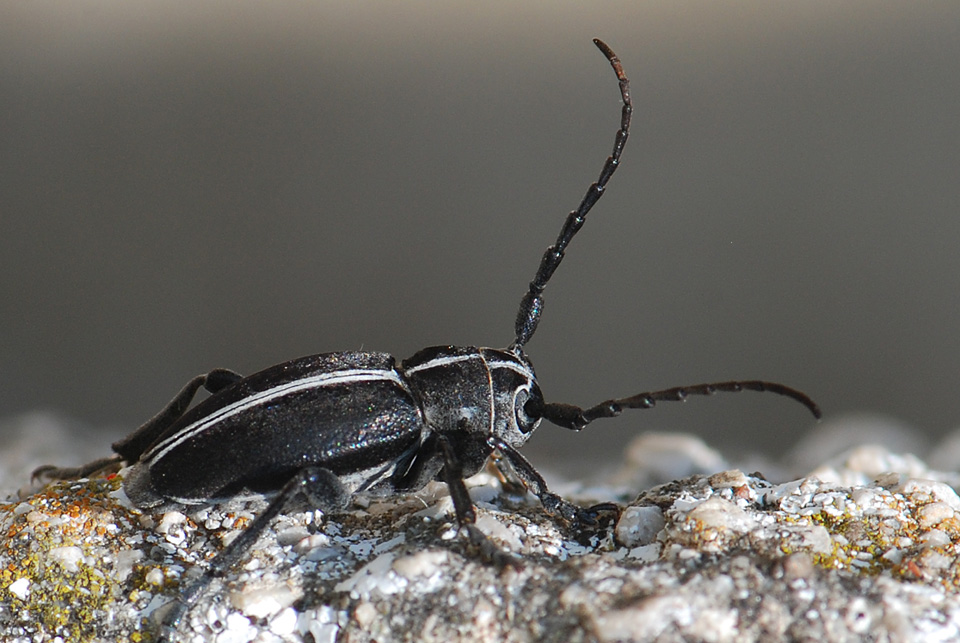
(325, 427)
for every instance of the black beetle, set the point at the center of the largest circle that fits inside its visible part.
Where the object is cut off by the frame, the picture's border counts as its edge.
(328, 426)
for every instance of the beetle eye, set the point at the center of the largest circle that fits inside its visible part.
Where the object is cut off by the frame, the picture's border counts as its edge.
(527, 408)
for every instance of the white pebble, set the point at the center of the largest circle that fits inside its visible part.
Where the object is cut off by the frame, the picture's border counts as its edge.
(20, 588)
(722, 515)
(935, 513)
(68, 557)
(263, 602)
(154, 576)
(930, 490)
(170, 519)
(284, 623)
(639, 526)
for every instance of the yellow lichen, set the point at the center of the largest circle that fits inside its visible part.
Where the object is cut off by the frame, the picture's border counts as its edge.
(65, 598)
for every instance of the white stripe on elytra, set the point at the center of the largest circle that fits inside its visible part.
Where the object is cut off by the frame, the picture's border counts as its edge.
(437, 362)
(316, 381)
(440, 361)
(519, 369)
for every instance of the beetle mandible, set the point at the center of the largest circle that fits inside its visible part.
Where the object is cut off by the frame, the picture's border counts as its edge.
(328, 426)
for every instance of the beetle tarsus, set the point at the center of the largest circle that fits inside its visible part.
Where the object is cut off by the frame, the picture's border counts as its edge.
(49, 473)
(488, 551)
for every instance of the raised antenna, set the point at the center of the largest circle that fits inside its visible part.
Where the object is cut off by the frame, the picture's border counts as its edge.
(528, 316)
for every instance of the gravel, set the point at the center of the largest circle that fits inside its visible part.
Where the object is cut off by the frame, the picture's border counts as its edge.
(864, 546)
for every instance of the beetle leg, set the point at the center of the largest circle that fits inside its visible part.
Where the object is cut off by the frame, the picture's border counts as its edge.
(576, 515)
(132, 447)
(322, 490)
(320, 487)
(452, 474)
(49, 472)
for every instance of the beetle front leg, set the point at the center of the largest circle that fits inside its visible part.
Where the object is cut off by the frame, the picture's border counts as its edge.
(553, 504)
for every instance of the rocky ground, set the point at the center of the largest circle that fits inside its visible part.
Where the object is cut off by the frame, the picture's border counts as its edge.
(863, 545)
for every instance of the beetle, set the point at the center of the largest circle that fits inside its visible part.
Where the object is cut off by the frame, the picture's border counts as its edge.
(325, 427)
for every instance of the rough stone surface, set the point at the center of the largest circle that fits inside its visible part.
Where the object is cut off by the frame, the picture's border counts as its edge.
(865, 549)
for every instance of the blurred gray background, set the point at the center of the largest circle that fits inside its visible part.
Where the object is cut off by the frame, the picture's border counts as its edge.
(185, 186)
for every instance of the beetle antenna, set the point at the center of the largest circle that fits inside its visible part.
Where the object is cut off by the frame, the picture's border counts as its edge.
(573, 417)
(528, 316)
